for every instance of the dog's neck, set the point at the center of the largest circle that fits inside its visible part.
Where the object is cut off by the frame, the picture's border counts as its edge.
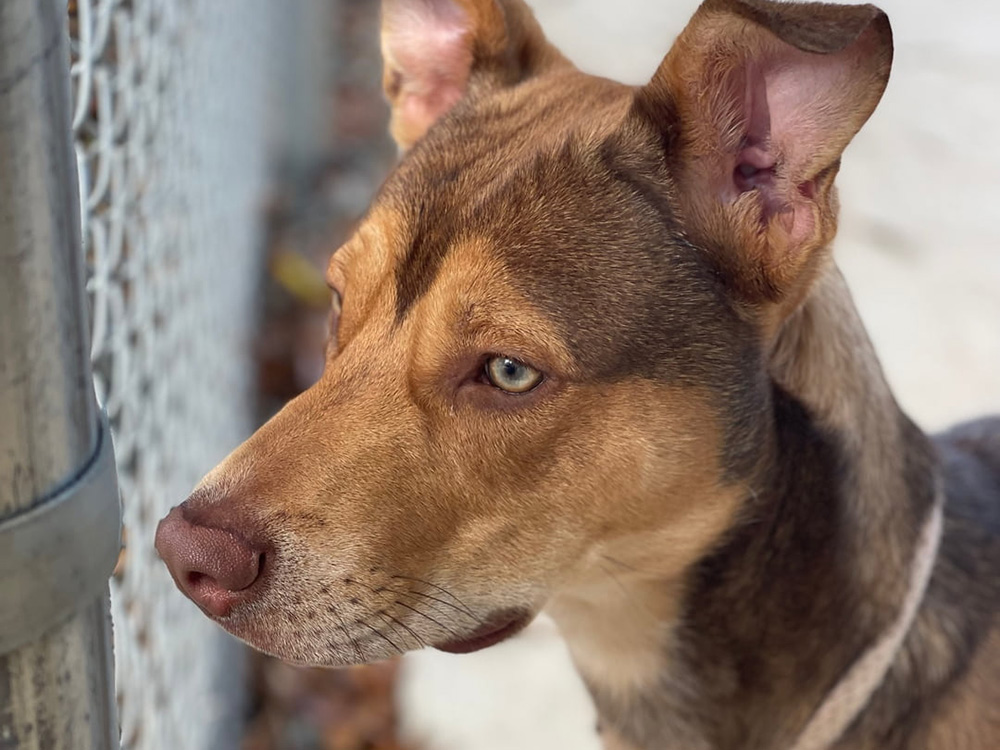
(815, 569)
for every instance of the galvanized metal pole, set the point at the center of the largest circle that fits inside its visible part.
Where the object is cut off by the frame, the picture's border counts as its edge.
(56, 690)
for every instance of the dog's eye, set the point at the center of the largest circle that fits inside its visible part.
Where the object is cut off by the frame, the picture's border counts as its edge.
(512, 376)
(336, 304)
(333, 321)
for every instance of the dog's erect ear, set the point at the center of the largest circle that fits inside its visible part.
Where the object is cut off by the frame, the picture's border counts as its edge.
(435, 51)
(756, 101)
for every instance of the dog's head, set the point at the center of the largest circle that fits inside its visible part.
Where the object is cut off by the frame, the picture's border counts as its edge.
(548, 347)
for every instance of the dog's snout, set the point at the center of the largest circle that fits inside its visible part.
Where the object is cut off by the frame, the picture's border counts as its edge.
(213, 565)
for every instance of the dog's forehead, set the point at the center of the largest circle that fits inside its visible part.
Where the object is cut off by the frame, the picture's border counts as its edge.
(452, 184)
(550, 185)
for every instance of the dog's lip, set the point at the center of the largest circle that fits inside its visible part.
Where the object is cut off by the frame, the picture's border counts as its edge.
(498, 627)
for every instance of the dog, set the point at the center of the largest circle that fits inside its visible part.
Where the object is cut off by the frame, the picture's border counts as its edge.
(590, 354)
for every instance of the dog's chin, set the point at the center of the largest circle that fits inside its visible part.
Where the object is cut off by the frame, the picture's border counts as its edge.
(310, 651)
(495, 629)
(301, 655)
(323, 652)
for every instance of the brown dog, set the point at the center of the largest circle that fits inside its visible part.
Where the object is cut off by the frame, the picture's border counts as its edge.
(589, 338)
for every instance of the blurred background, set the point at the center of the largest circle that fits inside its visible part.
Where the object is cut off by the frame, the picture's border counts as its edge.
(226, 147)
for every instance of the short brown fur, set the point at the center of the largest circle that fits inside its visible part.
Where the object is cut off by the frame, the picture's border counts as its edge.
(712, 491)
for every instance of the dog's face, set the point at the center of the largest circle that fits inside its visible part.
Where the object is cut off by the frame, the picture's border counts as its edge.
(549, 342)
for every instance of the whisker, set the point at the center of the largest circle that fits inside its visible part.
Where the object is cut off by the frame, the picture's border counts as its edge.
(381, 635)
(424, 614)
(439, 588)
(353, 641)
(357, 647)
(413, 594)
(392, 627)
(405, 627)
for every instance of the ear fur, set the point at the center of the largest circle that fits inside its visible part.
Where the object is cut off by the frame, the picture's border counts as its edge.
(436, 51)
(757, 100)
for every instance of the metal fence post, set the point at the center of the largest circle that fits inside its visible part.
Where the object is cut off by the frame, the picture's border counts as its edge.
(58, 498)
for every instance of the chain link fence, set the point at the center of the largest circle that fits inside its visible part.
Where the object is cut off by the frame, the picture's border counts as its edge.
(177, 112)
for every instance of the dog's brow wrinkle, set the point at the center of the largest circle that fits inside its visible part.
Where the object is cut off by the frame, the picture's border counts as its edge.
(453, 188)
(431, 241)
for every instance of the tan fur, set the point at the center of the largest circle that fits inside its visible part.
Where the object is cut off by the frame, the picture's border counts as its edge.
(406, 503)
(594, 549)
(616, 612)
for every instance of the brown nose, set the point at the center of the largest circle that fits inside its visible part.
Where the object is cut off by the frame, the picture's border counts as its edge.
(214, 567)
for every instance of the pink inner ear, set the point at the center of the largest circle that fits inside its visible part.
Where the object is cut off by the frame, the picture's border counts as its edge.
(426, 43)
(793, 105)
(755, 159)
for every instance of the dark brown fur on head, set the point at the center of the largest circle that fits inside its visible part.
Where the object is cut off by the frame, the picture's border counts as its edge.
(711, 423)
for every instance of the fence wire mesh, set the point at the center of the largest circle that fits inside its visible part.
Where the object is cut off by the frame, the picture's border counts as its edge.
(171, 117)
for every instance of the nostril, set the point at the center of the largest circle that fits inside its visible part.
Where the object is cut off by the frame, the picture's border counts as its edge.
(194, 579)
(213, 566)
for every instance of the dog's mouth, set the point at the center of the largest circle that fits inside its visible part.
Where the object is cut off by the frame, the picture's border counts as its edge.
(498, 627)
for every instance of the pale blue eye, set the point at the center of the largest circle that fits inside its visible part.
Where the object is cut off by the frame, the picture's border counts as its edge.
(512, 376)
